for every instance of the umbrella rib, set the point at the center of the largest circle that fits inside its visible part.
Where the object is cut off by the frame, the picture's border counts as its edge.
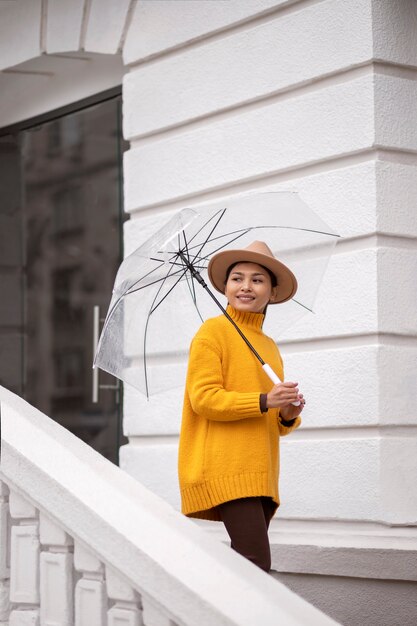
(147, 323)
(106, 322)
(208, 222)
(148, 274)
(303, 305)
(153, 283)
(201, 246)
(306, 230)
(167, 293)
(126, 293)
(195, 300)
(192, 289)
(243, 232)
(111, 311)
(198, 266)
(247, 230)
(211, 232)
(223, 211)
(175, 253)
(233, 232)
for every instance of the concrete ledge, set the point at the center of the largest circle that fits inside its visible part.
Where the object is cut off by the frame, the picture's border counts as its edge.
(358, 602)
(338, 561)
(337, 548)
(49, 82)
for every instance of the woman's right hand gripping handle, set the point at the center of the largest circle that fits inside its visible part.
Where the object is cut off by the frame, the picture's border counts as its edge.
(272, 376)
(283, 394)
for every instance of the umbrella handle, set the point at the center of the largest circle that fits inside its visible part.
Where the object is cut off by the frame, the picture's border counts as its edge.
(270, 372)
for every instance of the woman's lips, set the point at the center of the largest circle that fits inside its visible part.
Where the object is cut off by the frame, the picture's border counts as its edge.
(246, 298)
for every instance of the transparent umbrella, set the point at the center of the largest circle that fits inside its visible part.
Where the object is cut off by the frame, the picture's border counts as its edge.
(161, 296)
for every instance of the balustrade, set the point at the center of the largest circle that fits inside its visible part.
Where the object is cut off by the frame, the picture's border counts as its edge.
(48, 577)
(84, 544)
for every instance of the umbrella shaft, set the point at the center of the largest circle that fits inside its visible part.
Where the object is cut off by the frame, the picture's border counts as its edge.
(248, 343)
(203, 283)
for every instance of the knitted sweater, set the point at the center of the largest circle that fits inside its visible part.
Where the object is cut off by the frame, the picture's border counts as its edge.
(228, 448)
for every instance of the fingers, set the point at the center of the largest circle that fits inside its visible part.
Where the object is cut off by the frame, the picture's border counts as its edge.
(286, 388)
(290, 391)
(284, 394)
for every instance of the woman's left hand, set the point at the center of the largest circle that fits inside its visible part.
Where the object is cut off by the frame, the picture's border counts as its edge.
(289, 412)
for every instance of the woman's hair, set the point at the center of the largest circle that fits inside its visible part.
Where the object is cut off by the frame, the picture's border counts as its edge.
(272, 276)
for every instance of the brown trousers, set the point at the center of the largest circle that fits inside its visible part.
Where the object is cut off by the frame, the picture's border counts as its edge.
(247, 522)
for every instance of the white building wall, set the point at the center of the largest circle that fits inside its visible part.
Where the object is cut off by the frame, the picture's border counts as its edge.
(318, 97)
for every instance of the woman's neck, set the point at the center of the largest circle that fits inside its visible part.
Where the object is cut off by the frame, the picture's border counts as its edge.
(246, 318)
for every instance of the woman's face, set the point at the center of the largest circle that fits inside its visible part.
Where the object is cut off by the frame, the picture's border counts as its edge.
(248, 287)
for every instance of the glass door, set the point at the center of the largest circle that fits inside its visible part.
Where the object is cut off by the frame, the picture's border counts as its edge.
(70, 200)
(11, 266)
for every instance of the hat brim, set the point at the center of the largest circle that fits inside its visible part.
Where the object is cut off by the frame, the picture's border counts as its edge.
(220, 263)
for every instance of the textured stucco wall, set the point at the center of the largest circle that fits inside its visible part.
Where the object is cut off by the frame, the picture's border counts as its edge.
(316, 97)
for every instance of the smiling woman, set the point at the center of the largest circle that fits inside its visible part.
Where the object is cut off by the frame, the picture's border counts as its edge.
(232, 419)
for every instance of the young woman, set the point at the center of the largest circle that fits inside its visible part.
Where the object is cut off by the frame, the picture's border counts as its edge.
(233, 416)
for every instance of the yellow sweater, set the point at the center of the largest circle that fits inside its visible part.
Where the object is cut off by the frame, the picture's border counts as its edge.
(228, 448)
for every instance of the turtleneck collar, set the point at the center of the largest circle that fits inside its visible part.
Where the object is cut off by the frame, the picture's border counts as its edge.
(246, 318)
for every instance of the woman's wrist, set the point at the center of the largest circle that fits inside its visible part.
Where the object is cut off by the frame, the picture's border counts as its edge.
(263, 402)
(286, 416)
(288, 423)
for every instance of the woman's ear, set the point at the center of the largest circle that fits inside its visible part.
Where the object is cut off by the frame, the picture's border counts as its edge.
(273, 295)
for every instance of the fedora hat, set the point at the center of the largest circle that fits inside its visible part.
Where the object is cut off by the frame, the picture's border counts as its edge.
(257, 252)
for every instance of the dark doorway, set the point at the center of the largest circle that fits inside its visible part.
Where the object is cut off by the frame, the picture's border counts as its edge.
(61, 219)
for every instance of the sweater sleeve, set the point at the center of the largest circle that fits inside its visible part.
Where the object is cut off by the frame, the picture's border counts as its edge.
(207, 394)
(286, 430)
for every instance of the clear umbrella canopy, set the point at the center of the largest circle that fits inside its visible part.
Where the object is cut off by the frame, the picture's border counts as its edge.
(158, 305)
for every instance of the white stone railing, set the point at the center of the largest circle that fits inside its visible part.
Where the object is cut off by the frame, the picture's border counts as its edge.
(84, 543)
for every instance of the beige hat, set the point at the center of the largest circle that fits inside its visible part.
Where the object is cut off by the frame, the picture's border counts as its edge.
(257, 252)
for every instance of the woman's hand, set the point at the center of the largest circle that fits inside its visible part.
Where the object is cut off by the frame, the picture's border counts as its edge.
(282, 396)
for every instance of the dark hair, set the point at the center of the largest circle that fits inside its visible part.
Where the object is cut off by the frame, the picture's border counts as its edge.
(272, 276)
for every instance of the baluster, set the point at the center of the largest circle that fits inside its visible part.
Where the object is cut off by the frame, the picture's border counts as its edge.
(127, 608)
(56, 574)
(90, 590)
(24, 562)
(4, 553)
